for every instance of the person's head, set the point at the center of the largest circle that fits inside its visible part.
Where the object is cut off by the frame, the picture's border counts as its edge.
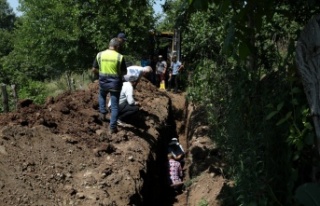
(174, 58)
(146, 70)
(114, 44)
(160, 57)
(132, 79)
(122, 37)
(174, 141)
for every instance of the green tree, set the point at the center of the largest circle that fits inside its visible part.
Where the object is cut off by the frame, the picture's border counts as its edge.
(7, 19)
(58, 36)
(7, 16)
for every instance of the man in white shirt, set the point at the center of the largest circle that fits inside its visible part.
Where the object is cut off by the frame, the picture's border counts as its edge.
(138, 71)
(127, 104)
(176, 67)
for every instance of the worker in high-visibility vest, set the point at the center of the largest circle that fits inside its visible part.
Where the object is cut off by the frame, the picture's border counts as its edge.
(111, 66)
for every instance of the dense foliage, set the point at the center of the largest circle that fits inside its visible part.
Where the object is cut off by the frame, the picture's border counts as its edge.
(7, 19)
(241, 57)
(53, 37)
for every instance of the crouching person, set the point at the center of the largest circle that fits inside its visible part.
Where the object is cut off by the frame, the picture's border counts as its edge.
(175, 174)
(127, 104)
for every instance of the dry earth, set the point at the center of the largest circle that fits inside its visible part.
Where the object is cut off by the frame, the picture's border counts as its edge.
(61, 154)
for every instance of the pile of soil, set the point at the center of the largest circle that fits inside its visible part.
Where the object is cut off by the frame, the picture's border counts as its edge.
(61, 153)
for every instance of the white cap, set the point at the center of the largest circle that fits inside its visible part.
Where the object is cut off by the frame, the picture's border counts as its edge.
(174, 141)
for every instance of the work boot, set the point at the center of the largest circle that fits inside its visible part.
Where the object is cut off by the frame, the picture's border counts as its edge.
(113, 131)
(102, 117)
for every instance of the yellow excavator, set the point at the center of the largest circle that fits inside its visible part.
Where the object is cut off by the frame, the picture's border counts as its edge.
(166, 43)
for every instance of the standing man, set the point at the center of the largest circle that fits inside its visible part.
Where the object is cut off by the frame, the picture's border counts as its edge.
(176, 66)
(111, 66)
(161, 68)
(122, 38)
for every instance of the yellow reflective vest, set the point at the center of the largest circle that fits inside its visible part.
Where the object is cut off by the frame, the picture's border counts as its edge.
(109, 63)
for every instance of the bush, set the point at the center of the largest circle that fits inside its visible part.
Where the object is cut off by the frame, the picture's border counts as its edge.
(34, 90)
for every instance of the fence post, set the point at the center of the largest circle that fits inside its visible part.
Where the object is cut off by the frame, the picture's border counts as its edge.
(15, 95)
(68, 77)
(5, 100)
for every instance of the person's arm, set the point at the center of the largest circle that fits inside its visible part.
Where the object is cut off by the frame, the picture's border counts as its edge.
(181, 148)
(95, 70)
(164, 67)
(180, 67)
(180, 171)
(123, 67)
(95, 66)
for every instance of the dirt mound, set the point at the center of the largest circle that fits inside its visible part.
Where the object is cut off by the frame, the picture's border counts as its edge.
(61, 154)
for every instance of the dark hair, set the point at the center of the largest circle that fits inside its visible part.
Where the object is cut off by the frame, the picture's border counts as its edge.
(114, 43)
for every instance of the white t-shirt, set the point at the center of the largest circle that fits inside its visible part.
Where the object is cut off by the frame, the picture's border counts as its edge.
(135, 71)
(126, 94)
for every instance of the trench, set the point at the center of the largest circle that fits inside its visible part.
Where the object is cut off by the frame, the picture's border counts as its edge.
(156, 190)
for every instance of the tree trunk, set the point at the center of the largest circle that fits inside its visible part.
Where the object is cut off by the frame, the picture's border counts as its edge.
(308, 62)
(68, 78)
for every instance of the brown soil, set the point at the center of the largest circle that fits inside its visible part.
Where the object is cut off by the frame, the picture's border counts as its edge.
(61, 154)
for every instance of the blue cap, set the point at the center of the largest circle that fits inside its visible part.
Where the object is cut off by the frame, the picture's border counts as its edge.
(122, 36)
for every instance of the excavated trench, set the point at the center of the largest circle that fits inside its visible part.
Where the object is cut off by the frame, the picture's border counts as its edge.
(156, 190)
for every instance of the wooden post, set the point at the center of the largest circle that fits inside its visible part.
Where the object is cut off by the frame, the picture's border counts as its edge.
(68, 81)
(5, 100)
(73, 84)
(15, 95)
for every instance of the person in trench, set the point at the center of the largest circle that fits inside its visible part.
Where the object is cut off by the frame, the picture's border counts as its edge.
(177, 151)
(175, 173)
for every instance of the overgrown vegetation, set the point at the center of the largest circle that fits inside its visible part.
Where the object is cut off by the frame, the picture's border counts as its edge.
(249, 85)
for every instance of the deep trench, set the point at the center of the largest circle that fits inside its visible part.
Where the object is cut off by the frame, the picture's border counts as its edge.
(156, 190)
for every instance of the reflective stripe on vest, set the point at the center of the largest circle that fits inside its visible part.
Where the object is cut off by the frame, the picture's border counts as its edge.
(109, 62)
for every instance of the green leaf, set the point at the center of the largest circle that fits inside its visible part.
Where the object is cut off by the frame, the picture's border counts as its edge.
(295, 90)
(279, 106)
(244, 50)
(224, 6)
(271, 115)
(308, 194)
(295, 101)
(284, 119)
(309, 140)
